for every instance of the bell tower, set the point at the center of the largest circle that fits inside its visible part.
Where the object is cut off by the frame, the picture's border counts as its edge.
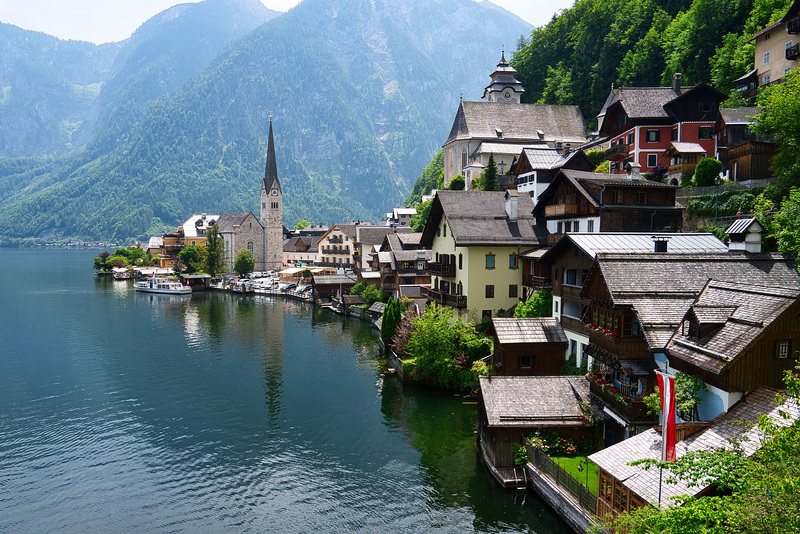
(504, 86)
(272, 209)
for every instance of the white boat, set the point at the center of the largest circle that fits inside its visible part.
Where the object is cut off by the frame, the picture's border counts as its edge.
(166, 286)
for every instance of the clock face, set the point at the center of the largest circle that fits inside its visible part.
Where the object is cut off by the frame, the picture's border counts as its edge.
(263, 192)
(507, 94)
(274, 192)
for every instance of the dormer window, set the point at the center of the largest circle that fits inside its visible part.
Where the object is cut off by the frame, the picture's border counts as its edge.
(499, 133)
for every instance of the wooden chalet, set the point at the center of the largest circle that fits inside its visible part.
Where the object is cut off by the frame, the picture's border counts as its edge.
(745, 154)
(579, 201)
(402, 261)
(327, 286)
(537, 167)
(527, 346)
(623, 487)
(683, 159)
(511, 408)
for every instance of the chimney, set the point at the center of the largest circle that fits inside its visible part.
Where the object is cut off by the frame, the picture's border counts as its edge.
(566, 151)
(660, 243)
(512, 205)
(676, 83)
(633, 171)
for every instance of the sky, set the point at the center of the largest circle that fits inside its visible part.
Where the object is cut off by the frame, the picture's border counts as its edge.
(102, 21)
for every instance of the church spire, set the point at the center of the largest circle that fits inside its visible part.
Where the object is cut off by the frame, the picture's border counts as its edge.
(271, 170)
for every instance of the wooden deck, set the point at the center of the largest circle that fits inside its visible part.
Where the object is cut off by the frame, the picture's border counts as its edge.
(507, 477)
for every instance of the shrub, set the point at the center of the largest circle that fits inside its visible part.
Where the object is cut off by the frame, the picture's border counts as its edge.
(707, 171)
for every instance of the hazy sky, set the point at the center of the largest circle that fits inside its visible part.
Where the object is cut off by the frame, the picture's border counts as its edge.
(101, 21)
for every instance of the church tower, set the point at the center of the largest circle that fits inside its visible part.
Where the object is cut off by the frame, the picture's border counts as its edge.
(504, 86)
(272, 210)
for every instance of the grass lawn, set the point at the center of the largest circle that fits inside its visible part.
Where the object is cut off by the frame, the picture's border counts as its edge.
(570, 465)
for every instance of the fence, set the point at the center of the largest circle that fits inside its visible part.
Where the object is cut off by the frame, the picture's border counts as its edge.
(563, 479)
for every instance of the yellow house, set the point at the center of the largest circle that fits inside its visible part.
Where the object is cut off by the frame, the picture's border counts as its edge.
(476, 239)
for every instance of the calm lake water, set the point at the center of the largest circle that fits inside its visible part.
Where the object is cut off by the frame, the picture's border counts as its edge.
(216, 413)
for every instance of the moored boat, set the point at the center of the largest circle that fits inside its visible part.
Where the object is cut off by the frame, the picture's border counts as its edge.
(166, 286)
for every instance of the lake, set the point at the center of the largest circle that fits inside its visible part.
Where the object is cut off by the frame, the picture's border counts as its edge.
(121, 411)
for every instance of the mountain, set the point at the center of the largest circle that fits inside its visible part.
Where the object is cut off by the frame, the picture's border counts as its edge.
(362, 94)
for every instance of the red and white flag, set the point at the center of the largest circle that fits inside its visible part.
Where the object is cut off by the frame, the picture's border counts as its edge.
(666, 385)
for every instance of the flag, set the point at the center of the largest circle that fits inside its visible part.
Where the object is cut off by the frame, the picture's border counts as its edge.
(666, 385)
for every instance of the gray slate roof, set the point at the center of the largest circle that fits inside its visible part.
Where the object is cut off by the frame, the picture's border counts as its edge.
(518, 122)
(374, 235)
(661, 287)
(742, 311)
(739, 115)
(228, 221)
(594, 243)
(644, 102)
(526, 401)
(528, 330)
(616, 459)
(330, 279)
(479, 217)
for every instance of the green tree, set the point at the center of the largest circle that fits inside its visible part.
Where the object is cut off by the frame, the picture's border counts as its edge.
(540, 304)
(596, 156)
(558, 86)
(780, 118)
(192, 257)
(456, 183)
(706, 172)
(787, 221)
(489, 176)
(392, 315)
(100, 262)
(215, 252)
(428, 180)
(244, 263)
(419, 219)
(302, 223)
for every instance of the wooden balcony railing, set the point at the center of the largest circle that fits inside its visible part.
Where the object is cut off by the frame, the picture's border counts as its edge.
(634, 412)
(617, 153)
(793, 51)
(560, 209)
(540, 283)
(442, 269)
(793, 26)
(552, 239)
(444, 299)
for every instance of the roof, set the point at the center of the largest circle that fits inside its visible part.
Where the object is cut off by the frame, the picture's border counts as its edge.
(202, 222)
(741, 226)
(271, 167)
(528, 330)
(352, 300)
(508, 149)
(369, 275)
(744, 115)
(676, 147)
(527, 401)
(374, 234)
(377, 307)
(518, 122)
(739, 313)
(593, 243)
(794, 9)
(228, 222)
(660, 287)
(719, 435)
(331, 279)
(479, 218)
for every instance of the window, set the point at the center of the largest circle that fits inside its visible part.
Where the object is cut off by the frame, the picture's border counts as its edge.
(571, 277)
(559, 227)
(590, 226)
(512, 291)
(250, 246)
(641, 197)
(567, 226)
(630, 138)
(490, 261)
(616, 196)
(605, 487)
(524, 361)
(463, 158)
(652, 160)
(444, 230)
(460, 261)
(620, 497)
(767, 80)
(766, 57)
(653, 136)
(766, 37)
(782, 349)
(486, 313)
(789, 44)
(555, 306)
(513, 262)
(274, 205)
(674, 135)
(490, 291)
(705, 132)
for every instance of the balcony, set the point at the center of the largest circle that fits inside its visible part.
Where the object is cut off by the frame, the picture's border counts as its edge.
(617, 153)
(634, 412)
(793, 26)
(444, 299)
(552, 239)
(793, 51)
(442, 269)
(336, 239)
(541, 283)
(560, 209)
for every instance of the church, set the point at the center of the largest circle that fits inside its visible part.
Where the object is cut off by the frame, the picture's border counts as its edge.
(501, 125)
(262, 236)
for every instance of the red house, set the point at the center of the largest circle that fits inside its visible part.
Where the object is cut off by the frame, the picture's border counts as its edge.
(641, 122)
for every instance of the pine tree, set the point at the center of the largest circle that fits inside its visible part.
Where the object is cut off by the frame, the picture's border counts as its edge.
(215, 252)
(490, 175)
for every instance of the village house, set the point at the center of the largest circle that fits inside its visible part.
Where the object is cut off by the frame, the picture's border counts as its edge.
(537, 167)
(368, 241)
(527, 346)
(336, 246)
(744, 154)
(564, 268)
(623, 487)
(502, 126)
(191, 232)
(402, 261)
(400, 216)
(777, 50)
(579, 201)
(300, 250)
(475, 238)
(639, 301)
(641, 122)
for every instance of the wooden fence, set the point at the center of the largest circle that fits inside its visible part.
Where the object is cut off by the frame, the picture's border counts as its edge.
(544, 463)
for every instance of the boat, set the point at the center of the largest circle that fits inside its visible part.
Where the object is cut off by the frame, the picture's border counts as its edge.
(165, 286)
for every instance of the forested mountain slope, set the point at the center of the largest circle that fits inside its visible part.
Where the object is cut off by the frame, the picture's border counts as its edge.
(361, 92)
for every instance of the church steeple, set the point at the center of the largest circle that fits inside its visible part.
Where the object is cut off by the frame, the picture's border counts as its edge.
(271, 170)
(504, 86)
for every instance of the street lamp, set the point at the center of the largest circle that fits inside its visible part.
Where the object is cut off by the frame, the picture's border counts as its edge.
(717, 181)
(584, 464)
